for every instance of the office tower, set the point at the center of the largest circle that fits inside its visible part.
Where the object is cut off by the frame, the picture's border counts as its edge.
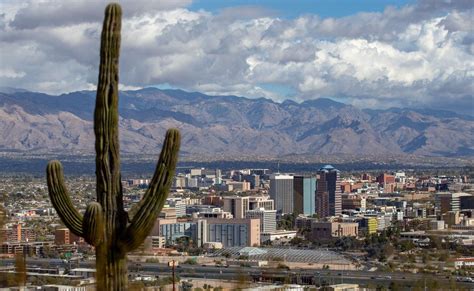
(466, 202)
(451, 201)
(256, 202)
(304, 189)
(253, 179)
(281, 191)
(238, 206)
(328, 193)
(267, 218)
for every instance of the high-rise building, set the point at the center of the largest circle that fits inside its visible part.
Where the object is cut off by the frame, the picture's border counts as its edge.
(256, 202)
(304, 191)
(450, 201)
(281, 191)
(238, 206)
(253, 179)
(328, 193)
(466, 202)
(267, 218)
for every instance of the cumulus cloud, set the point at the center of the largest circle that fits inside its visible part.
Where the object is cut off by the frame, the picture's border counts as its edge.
(416, 55)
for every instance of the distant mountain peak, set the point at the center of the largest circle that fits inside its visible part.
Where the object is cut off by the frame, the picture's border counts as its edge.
(11, 90)
(323, 103)
(229, 125)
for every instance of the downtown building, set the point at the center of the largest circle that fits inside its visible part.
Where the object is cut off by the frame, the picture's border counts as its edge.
(304, 194)
(238, 206)
(229, 232)
(448, 201)
(172, 230)
(267, 219)
(328, 230)
(328, 192)
(234, 232)
(282, 192)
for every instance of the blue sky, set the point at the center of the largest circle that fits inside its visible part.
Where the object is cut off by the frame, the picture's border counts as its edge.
(295, 8)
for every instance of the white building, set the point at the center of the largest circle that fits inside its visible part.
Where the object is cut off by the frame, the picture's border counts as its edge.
(280, 234)
(464, 262)
(267, 218)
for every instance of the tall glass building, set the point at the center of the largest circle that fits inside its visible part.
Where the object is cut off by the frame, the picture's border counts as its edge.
(304, 191)
(328, 193)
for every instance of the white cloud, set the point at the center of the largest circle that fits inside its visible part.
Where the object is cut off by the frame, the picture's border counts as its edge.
(414, 55)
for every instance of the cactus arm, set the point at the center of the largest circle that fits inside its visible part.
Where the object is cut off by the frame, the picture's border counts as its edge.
(156, 195)
(60, 198)
(93, 224)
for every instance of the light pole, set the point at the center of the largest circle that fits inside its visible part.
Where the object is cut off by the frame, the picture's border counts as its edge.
(173, 264)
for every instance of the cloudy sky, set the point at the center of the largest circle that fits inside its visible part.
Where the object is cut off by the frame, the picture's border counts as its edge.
(370, 53)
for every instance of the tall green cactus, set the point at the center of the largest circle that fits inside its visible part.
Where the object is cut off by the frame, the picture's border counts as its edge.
(105, 224)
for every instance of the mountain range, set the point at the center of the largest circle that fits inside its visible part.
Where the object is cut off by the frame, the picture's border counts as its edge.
(229, 125)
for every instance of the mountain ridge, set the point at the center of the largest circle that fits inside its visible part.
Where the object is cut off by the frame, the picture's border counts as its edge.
(42, 123)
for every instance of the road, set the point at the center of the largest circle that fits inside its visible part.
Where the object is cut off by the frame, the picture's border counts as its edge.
(300, 276)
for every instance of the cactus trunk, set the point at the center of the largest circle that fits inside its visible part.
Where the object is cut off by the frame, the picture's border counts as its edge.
(111, 268)
(106, 224)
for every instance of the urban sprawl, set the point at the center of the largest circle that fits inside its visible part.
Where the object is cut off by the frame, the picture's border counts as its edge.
(254, 229)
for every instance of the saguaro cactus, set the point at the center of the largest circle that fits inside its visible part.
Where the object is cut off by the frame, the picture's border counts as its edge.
(105, 224)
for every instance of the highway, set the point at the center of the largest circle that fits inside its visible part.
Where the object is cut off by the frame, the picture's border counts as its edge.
(299, 276)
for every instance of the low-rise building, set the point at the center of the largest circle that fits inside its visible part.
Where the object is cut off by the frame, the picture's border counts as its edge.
(327, 230)
(353, 201)
(234, 232)
(279, 234)
(467, 262)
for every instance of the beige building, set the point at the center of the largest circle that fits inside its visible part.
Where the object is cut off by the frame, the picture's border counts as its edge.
(238, 186)
(238, 206)
(63, 236)
(152, 243)
(257, 202)
(168, 212)
(267, 218)
(234, 232)
(161, 221)
(451, 218)
(327, 230)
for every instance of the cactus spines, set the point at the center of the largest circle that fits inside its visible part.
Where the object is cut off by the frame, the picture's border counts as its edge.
(105, 224)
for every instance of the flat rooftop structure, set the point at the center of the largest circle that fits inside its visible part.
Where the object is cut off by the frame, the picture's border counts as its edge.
(289, 255)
